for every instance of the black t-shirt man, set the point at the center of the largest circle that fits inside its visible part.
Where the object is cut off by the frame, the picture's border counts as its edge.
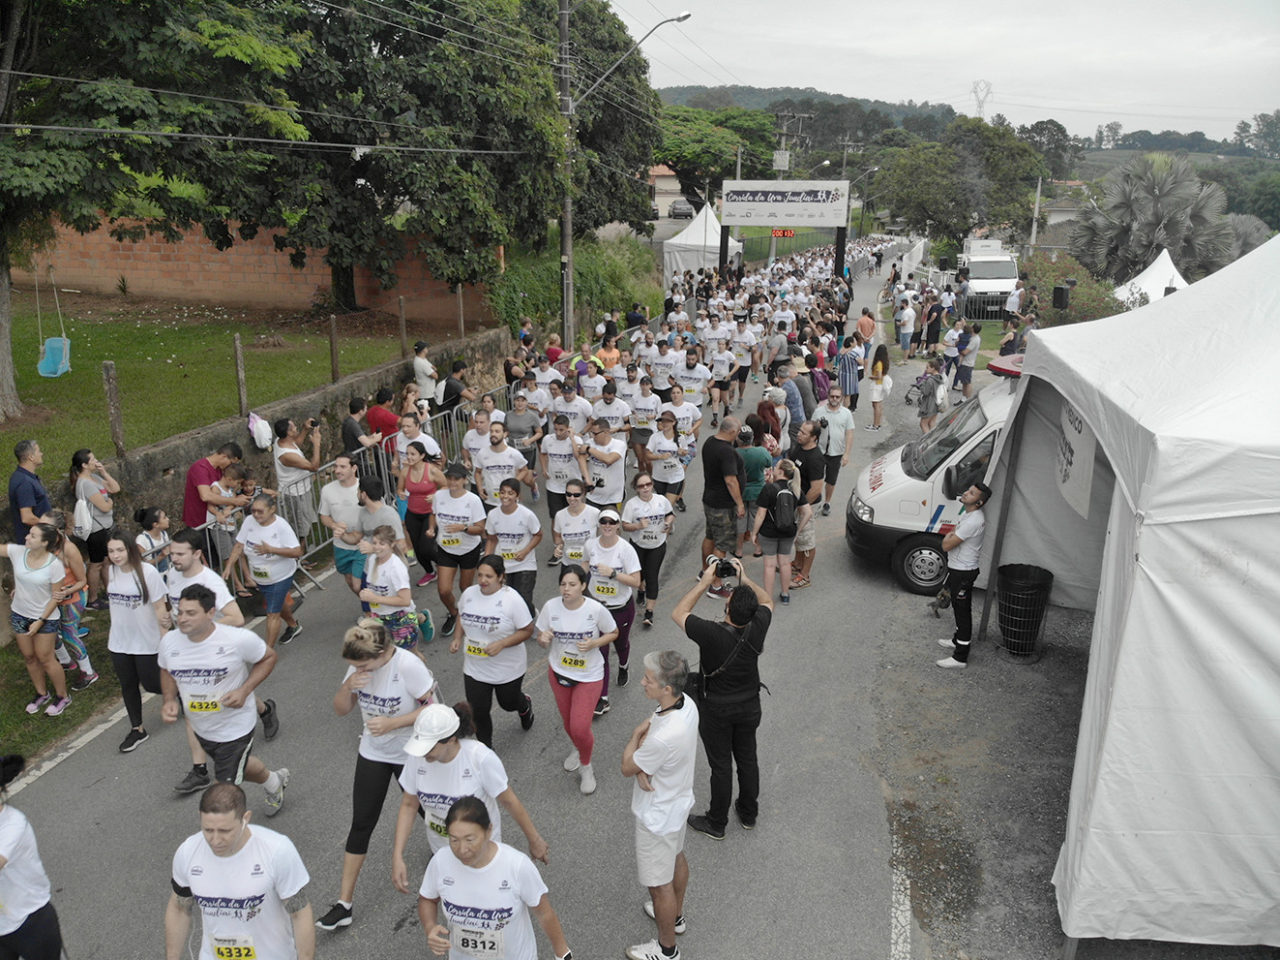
(453, 388)
(716, 640)
(812, 467)
(720, 460)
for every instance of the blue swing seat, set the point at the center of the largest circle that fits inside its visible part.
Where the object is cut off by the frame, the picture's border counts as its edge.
(55, 357)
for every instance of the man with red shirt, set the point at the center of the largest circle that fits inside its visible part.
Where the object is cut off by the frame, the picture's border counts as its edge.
(199, 493)
(382, 419)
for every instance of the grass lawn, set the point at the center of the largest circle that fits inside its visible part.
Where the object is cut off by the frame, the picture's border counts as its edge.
(176, 368)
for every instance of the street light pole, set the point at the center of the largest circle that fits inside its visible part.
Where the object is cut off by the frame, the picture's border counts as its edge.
(568, 107)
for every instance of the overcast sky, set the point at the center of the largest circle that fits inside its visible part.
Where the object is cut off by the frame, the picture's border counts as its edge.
(1153, 64)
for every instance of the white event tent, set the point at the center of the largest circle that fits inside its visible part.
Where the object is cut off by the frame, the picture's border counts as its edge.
(1153, 281)
(1162, 432)
(697, 246)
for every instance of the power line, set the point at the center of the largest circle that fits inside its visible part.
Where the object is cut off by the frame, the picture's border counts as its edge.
(733, 78)
(615, 84)
(235, 138)
(517, 50)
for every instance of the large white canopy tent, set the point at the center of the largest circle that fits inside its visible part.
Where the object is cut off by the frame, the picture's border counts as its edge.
(1163, 432)
(1153, 281)
(697, 246)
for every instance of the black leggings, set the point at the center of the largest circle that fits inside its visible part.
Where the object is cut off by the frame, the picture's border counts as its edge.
(415, 528)
(480, 696)
(136, 670)
(650, 564)
(39, 937)
(368, 795)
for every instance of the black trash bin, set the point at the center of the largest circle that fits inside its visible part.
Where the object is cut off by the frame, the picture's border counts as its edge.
(1023, 592)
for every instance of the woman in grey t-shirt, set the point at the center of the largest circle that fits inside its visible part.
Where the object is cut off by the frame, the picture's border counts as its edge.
(90, 481)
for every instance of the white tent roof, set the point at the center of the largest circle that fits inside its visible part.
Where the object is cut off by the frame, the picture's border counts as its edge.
(697, 245)
(1152, 281)
(1172, 830)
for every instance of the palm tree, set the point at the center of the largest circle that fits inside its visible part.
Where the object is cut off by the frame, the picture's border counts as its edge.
(1154, 202)
(1248, 232)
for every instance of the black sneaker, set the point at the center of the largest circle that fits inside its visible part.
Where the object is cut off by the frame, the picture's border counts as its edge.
(602, 707)
(193, 781)
(640, 598)
(624, 674)
(290, 634)
(132, 739)
(526, 715)
(748, 823)
(715, 421)
(270, 719)
(703, 825)
(450, 622)
(84, 681)
(648, 618)
(338, 916)
(680, 505)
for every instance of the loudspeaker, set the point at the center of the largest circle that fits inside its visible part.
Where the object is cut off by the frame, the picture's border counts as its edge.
(1061, 298)
(944, 264)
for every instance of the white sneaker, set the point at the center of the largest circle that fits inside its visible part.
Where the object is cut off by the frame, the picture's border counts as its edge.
(588, 784)
(276, 800)
(947, 643)
(572, 762)
(681, 925)
(951, 663)
(650, 951)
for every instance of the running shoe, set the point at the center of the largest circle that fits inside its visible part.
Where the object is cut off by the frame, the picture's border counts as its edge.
(640, 597)
(84, 681)
(56, 708)
(587, 780)
(276, 800)
(98, 604)
(338, 916)
(951, 663)
(624, 674)
(680, 505)
(82, 632)
(715, 420)
(650, 951)
(290, 634)
(535, 495)
(748, 823)
(826, 509)
(450, 622)
(270, 719)
(602, 707)
(38, 701)
(194, 780)
(427, 578)
(572, 762)
(947, 643)
(681, 925)
(526, 715)
(132, 739)
(720, 593)
(648, 618)
(785, 599)
(703, 825)
(552, 560)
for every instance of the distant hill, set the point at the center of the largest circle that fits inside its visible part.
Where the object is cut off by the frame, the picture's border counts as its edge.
(761, 98)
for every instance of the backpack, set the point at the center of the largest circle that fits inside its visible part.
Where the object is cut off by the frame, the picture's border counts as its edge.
(439, 397)
(940, 396)
(784, 513)
(82, 520)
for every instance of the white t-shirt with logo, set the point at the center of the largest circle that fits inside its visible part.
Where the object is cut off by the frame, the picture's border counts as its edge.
(486, 910)
(577, 410)
(514, 531)
(175, 583)
(475, 772)
(589, 621)
(668, 469)
(241, 897)
(575, 532)
(615, 413)
(644, 411)
(24, 886)
(206, 670)
(134, 627)
(628, 390)
(721, 363)
(268, 568)
(694, 382)
(496, 465)
(485, 618)
(663, 367)
(466, 509)
(743, 343)
(613, 474)
(562, 461)
(653, 514)
(686, 416)
(394, 689)
(591, 388)
(622, 558)
(387, 580)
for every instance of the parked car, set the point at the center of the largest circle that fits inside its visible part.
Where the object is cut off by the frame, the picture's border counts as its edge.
(680, 210)
(654, 212)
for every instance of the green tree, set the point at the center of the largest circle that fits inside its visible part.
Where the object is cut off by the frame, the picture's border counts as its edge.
(1051, 140)
(1154, 202)
(1247, 233)
(925, 184)
(701, 147)
(1264, 200)
(1265, 138)
(1000, 169)
(453, 142)
(238, 51)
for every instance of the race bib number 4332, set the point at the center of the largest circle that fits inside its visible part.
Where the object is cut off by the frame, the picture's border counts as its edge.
(234, 948)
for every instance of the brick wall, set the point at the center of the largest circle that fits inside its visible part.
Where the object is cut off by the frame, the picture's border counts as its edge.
(249, 274)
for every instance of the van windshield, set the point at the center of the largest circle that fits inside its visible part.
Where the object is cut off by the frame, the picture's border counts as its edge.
(920, 458)
(993, 270)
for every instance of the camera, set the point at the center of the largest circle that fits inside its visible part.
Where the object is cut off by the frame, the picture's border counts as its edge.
(822, 422)
(723, 567)
(599, 483)
(312, 423)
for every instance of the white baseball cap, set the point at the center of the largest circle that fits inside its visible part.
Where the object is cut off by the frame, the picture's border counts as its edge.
(436, 722)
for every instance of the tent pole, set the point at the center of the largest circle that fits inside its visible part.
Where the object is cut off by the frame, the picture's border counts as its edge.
(1015, 431)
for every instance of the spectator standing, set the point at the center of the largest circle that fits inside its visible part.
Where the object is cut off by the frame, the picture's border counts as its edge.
(756, 461)
(28, 499)
(70, 595)
(382, 419)
(964, 550)
(835, 442)
(455, 387)
(660, 756)
(773, 528)
(33, 616)
(724, 482)
(153, 541)
(424, 372)
(339, 511)
(928, 404)
(812, 468)
(138, 620)
(729, 709)
(881, 385)
(968, 357)
(295, 474)
(354, 440)
(199, 493)
(90, 481)
(273, 551)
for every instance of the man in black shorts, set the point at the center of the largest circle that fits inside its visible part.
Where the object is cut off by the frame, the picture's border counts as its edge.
(724, 479)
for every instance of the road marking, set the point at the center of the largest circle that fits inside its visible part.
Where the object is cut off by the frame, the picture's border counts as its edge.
(35, 773)
(900, 905)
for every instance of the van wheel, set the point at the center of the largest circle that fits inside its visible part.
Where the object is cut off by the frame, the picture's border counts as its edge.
(920, 564)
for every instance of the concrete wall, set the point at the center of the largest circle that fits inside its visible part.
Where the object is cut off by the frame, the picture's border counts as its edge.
(155, 475)
(251, 274)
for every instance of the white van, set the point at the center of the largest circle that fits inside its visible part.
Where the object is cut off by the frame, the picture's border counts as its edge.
(906, 501)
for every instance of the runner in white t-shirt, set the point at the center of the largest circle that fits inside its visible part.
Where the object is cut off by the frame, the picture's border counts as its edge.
(387, 593)
(665, 455)
(390, 686)
(693, 377)
(495, 623)
(573, 628)
(573, 526)
(443, 763)
(28, 920)
(273, 551)
(459, 524)
(248, 883)
(136, 598)
(606, 457)
(487, 891)
(649, 519)
(614, 569)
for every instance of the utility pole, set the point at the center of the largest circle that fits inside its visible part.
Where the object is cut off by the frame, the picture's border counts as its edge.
(566, 216)
(1035, 217)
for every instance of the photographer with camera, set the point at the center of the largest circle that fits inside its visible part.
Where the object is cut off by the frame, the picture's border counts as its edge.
(729, 707)
(295, 474)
